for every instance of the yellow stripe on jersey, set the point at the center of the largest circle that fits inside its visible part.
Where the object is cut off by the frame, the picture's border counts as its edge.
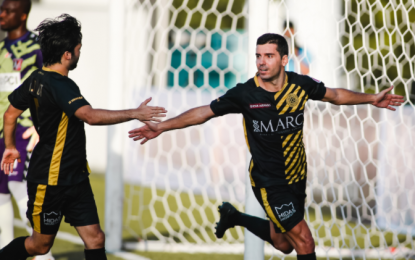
(301, 97)
(250, 171)
(294, 141)
(269, 211)
(282, 89)
(58, 150)
(301, 163)
(284, 143)
(246, 135)
(306, 98)
(37, 209)
(37, 107)
(256, 80)
(287, 106)
(282, 100)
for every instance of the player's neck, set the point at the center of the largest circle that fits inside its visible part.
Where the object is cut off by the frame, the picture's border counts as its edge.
(273, 85)
(17, 33)
(59, 68)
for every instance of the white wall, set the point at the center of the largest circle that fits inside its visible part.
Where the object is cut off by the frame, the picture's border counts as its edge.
(91, 75)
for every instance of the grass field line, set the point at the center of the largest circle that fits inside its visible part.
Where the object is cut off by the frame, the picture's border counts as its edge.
(331, 252)
(77, 240)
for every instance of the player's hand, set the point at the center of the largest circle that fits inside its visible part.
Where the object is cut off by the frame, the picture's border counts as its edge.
(384, 100)
(7, 162)
(34, 138)
(147, 132)
(148, 113)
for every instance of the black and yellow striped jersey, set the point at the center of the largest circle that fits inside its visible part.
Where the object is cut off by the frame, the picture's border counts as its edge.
(60, 156)
(273, 124)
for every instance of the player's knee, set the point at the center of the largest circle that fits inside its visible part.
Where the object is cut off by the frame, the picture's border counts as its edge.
(97, 241)
(43, 248)
(309, 244)
(285, 248)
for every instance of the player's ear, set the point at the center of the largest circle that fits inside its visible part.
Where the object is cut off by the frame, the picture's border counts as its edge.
(67, 56)
(284, 60)
(23, 17)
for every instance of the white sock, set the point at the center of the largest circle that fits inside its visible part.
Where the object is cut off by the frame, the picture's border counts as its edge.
(6, 220)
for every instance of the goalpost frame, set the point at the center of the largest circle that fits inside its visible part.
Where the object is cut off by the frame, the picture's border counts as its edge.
(114, 187)
(257, 25)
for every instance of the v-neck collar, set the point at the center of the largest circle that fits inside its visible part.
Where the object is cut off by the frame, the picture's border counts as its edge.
(283, 87)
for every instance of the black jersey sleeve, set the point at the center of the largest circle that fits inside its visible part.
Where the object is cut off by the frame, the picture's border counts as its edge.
(228, 103)
(20, 97)
(316, 88)
(68, 97)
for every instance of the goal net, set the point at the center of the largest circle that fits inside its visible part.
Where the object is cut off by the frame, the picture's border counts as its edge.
(361, 177)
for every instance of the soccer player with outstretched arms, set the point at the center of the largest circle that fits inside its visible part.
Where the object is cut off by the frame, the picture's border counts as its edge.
(57, 180)
(272, 104)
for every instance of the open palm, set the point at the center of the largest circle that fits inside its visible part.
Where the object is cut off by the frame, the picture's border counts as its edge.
(147, 132)
(9, 157)
(384, 100)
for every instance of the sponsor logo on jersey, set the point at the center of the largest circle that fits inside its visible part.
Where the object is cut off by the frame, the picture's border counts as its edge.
(259, 105)
(9, 81)
(280, 125)
(285, 211)
(292, 100)
(17, 64)
(51, 219)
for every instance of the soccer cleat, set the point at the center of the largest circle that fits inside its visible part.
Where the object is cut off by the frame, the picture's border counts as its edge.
(227, 216)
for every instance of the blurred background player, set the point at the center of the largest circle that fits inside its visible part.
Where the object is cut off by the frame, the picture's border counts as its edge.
(299, 58)
(20, 55)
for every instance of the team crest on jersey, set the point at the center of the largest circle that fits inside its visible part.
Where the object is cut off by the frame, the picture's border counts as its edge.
(17, 64)
(292, 100)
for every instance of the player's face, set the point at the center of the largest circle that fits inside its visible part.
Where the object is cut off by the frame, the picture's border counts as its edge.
(11, 15)
(75, 57)
(269, 62)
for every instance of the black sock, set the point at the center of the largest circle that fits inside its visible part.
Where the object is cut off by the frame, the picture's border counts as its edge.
(15, 250)
(258, 226)
(311, 256)
(95, 254)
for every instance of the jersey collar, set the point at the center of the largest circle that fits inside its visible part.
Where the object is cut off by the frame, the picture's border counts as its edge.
(47, 69)
(285, 83)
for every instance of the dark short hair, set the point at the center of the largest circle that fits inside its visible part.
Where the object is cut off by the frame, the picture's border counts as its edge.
(279, 40)
(56, 36)
(25, 4)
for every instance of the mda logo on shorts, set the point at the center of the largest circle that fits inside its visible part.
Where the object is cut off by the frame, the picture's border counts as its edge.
(285, 211)
(51, 219)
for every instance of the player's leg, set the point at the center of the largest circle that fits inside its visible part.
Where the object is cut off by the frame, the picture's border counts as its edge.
(24, 247)
(81, 212)
(302, 240)
(6, 207)
(231, 217)
(94, 240)
(6, 216)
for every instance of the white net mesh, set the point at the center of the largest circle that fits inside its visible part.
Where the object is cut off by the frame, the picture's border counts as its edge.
(361, 201)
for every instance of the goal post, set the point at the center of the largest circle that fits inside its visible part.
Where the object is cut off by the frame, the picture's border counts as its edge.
(184, 53)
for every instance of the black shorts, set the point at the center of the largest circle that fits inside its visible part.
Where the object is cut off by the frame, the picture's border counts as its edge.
(283, 204)
(48, 204)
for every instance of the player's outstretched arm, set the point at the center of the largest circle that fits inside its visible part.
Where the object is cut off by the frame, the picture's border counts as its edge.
(194, 116)
(93, 116)
(9, 130)
(382, 99)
